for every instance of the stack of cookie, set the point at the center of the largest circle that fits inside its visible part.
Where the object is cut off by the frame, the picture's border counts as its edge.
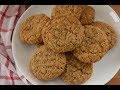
(68, 43)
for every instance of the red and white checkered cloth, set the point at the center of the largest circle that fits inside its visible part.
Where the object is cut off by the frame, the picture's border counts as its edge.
(9, 74)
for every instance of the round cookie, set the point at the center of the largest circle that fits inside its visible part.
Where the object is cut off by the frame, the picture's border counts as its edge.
(47, 65)
(76, 72)
(110, 32)
(94, 45)
(63, 34)
(67, 10)
(88, 15)
(31, 28)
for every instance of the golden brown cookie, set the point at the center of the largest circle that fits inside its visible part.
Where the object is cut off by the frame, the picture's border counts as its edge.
(31, 28)
(94, 45)
(67, 10)
(47, 65)
(63, 34)
(110, 32)
(76, 72)
(88, 15)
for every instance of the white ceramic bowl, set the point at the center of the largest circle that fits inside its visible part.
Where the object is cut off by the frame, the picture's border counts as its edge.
(103, 70)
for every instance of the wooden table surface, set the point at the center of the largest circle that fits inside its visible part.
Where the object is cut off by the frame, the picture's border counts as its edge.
(116, 79)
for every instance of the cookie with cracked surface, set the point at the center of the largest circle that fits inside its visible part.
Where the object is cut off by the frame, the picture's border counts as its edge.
(63, 34)
(47, 65)
(40, 44)
(110, 32)
(88, 15)
(94, 46)
(76, 72)
(67, 10)
(31, 28)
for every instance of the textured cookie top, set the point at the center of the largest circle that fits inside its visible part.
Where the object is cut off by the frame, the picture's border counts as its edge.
(88, 15)
(94, 45)
(30, 29)
(63, 34)
(47, 65)
(76, 72)
(39, 44)
(110, 32)
(67, 10)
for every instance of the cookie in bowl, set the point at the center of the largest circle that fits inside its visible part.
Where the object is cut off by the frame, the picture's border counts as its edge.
(63, 34)
(94, 46)
(31, 28)
(76, 72)
(47, 65)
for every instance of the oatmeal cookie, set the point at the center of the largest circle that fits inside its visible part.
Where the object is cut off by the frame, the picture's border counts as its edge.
(110, 32)
(76, 72)
(94, 45)
(87, 16)
(30, 29)
(47, 65)
(63, 34)
(67, 10)
(40, 44)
